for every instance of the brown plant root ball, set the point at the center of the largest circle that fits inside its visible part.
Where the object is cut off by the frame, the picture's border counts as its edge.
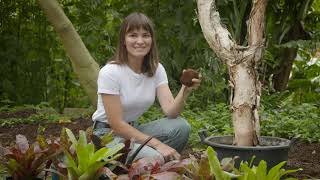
(187, 76)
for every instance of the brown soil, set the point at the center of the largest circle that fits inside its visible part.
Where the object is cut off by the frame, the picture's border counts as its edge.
(302, 155)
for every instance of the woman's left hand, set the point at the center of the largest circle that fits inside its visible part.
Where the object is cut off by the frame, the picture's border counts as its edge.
(195, 84)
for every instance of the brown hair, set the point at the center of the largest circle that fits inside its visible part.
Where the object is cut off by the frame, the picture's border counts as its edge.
(131, 22)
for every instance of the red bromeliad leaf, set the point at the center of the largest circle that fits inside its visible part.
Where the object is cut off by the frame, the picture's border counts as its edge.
(199, 169)
(27, 161)
(176, 166)
(14, 154)
(156, 168)
(22, 143)
(144, 165)
(166, 176)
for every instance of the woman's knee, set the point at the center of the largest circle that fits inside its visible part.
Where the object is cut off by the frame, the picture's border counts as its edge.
(181, 126)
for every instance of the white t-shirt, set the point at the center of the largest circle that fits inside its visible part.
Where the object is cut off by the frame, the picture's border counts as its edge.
(137, 91)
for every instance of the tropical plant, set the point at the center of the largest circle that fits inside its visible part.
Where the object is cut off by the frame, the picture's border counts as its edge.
(261, 172)
(25, 161)
(207, 167)
(82, 161)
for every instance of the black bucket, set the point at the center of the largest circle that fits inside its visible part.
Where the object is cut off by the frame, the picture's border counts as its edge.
(271, 149)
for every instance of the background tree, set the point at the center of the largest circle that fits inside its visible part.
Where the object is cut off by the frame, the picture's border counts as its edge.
(285, 24)
(82, 62)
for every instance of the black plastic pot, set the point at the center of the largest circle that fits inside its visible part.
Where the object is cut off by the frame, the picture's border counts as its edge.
(271, 149)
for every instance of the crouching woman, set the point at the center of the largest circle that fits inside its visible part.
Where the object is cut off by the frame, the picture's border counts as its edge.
(127, 87)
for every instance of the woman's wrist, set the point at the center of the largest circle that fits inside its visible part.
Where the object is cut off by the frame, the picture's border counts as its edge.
(154, 143)
(185, 92)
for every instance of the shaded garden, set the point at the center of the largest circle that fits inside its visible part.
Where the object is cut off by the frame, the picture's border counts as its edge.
(40, 93)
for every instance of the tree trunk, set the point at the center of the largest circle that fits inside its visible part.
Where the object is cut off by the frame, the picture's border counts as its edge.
(83, 64)
(282, 75)
(281, 78)
(242, 64)
(243, 104)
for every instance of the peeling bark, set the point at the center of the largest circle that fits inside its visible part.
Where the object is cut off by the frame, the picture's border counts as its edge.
(242, 65)
(83, 64)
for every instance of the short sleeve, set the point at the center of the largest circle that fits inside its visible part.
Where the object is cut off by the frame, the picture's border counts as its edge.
(108, 81)
(161, 76)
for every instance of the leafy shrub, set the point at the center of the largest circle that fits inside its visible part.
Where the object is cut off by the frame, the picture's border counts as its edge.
(43, 113)
(285, 119)
(288, 121)
(26, 161)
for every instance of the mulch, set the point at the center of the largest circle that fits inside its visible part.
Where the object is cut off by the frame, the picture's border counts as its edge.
(302, 155)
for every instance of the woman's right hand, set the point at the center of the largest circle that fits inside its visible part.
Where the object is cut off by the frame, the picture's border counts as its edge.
(168, 152)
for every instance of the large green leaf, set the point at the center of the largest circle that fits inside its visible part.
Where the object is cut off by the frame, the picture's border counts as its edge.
(91, 171)
(83, 157)
(262, 170)
(71, 164)
(71, 136)
(214, 163)
(274, 172)
(112, 151)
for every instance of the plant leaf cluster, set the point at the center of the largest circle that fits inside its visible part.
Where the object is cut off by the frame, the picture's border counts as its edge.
(27, 161)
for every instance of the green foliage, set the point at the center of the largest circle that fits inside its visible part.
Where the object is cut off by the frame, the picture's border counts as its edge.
(37, 69)
(216, 168)
(34, 67)
(41, 113)
(260, 172)
(305, 82)
(288, 121)
(82, 161)
(284, 119)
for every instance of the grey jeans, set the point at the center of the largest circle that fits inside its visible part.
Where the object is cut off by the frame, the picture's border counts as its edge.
(173, 132)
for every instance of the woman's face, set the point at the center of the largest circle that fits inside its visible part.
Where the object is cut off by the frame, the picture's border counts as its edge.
(138, 43)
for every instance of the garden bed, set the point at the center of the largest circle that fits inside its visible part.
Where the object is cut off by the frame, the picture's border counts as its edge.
(302, 155)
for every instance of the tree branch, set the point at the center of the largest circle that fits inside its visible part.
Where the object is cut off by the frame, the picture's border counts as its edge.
(257, 22)
(217, 36)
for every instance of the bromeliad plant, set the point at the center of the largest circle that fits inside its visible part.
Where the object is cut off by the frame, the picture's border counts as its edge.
(25, 161)
(81, 159)
(208, 167)
(260, 172)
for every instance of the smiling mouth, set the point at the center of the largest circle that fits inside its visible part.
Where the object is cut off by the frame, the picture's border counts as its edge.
(140, 49)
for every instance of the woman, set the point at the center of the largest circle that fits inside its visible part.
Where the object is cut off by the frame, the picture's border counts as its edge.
(127, 87)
